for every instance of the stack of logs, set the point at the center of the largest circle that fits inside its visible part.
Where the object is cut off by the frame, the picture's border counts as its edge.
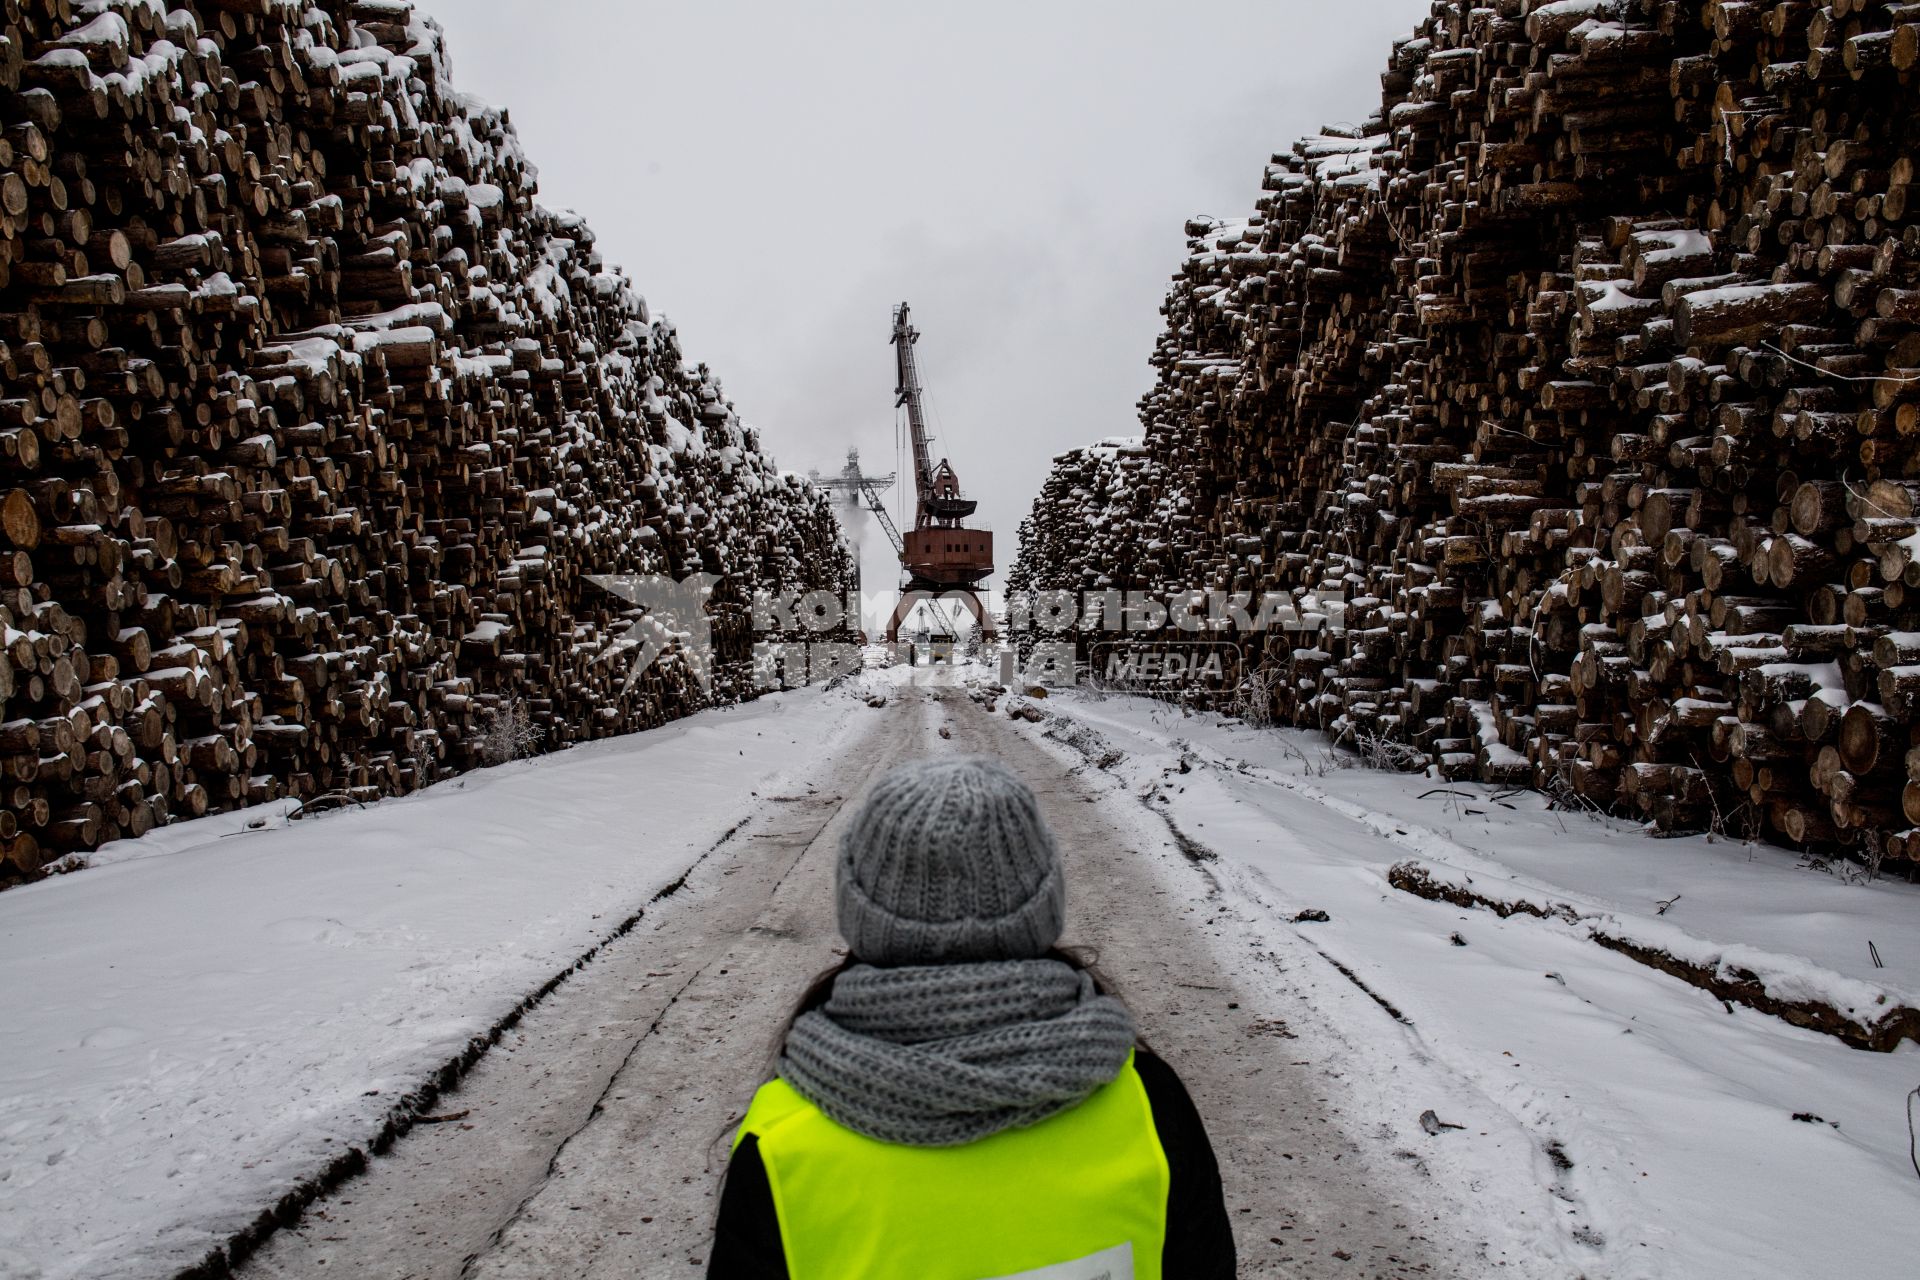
(312, 425)
(1589, 371)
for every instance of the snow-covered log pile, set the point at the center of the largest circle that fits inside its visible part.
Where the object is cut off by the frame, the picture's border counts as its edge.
(1589, 369)
(312, 424)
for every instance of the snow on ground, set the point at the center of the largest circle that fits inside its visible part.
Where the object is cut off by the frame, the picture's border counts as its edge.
(1662, 1122)
(208, 1015)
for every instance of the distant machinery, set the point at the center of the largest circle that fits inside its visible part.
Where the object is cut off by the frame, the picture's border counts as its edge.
(864, 490)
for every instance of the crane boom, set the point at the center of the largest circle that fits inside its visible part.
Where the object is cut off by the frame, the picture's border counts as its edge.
(879, 509)
(907, 392)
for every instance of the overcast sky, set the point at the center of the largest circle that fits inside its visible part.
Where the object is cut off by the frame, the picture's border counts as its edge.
(776, 176)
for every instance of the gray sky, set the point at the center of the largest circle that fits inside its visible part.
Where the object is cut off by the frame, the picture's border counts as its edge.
(776, 176)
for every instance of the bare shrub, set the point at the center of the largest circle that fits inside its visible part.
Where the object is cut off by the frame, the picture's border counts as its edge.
(511, 733)
(424, 760)
(1376, 751)
(1253, 700)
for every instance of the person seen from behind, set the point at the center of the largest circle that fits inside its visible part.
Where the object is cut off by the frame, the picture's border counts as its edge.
(960, 1099)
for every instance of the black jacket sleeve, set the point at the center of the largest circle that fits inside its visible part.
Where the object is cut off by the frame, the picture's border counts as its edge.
(1199, 1244)
(746, 1238)
(1199, 1235)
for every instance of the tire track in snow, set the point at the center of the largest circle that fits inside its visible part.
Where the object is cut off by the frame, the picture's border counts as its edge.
(624, 1182)
(430, 1205)
(414, 1107)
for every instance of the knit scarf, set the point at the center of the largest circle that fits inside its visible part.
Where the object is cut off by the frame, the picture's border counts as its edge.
(936, 1055)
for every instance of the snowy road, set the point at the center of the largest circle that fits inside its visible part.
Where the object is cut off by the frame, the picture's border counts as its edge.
(590, 1143)
(208, 1020)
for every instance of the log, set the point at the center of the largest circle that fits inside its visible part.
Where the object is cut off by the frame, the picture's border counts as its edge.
(300, 388)
(1589, 358)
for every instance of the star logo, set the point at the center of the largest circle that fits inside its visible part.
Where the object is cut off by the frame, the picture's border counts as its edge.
(674, 618)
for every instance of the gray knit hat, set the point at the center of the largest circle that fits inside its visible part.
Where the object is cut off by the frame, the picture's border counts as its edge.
(949, 861)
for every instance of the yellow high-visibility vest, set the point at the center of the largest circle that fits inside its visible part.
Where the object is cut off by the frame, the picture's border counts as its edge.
(1080, 1196)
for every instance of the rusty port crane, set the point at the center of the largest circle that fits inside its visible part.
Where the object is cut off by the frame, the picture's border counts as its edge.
(940, 556)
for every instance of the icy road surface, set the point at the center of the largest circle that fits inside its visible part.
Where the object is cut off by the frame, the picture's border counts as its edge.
(591, 1142)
